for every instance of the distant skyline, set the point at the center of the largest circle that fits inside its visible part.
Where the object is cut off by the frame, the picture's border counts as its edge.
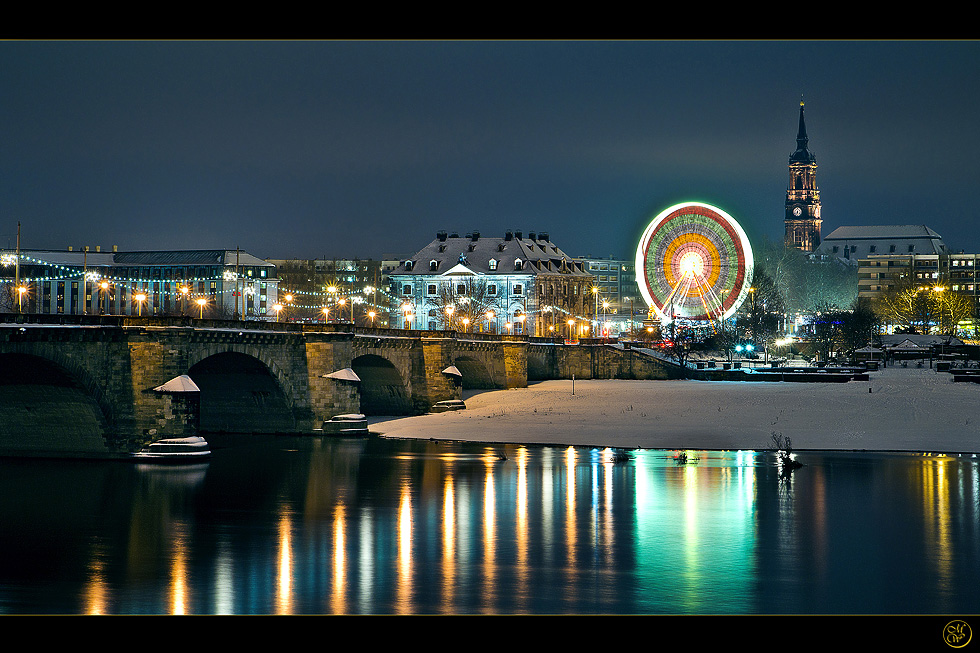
(366, 149)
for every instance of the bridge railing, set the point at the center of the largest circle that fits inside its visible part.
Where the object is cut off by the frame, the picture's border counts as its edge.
(188, 321)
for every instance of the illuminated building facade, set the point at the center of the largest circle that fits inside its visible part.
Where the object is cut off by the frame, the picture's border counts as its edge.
(214, 283)
(511, 284)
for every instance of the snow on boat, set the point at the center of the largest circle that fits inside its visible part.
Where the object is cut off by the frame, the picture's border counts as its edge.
(193, 449)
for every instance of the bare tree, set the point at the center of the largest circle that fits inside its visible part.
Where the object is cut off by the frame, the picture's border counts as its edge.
(462, 303)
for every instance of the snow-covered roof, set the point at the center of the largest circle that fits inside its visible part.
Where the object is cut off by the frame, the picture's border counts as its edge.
(510, 254)
(853, 242)
(180, 384)
(346, 374)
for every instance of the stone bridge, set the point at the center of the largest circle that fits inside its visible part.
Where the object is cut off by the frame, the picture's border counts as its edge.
(86, 385)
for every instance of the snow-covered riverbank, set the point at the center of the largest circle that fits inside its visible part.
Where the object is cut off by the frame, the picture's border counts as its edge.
(908, 409)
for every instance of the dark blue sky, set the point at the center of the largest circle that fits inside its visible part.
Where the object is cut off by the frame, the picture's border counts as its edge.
(366, 149)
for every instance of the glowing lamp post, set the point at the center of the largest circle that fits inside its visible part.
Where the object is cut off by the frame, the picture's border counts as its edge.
(571, 327)
(140, 298)
(104, 289)
(326, 314)
(466, 324)
(449, 316)
(372, 315)
(201, 303)
(278, 309)
(184, 296)
(520, 321)
(490, 317)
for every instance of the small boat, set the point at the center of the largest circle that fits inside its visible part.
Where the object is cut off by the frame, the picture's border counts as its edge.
(193, 449)
(350, 424)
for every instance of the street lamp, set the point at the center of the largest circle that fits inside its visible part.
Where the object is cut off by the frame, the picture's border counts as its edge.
(595, 294)
(326, 314)
(104, 290)
(278, 309)
(466, 324)
(201, 302)
(571, 325)
(939, 301)
(449, 316)
(489, 320)
(140, 298)
(372, 314)
(184, 296)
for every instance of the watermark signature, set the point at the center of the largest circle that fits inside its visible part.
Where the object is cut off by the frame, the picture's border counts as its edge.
(957, 633)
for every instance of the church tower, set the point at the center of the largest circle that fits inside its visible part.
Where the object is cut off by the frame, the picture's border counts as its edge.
(802, 196)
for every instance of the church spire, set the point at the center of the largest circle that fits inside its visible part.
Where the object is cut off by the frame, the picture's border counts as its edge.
(802, 154)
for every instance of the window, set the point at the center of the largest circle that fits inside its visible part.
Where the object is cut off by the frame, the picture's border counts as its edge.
(493, 264)
(461, 289)
(518, 264)
(492, 289)
(891, 249)
(518, 289)
(873, 248)
(433, 265)
(911, 248)
(432, 289)
(407, 289)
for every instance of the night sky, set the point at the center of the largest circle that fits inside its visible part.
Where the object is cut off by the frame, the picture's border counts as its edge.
(366, 149)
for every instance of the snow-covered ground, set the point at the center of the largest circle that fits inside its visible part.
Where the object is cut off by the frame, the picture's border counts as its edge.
(907, 409)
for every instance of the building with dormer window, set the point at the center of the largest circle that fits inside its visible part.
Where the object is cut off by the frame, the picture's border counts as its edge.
(511, 284)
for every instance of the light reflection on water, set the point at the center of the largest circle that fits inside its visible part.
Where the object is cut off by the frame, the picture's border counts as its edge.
(291, 525)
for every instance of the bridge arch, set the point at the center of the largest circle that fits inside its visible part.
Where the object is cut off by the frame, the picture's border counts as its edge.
(50, 405)
(241, 393)
(382, 389)
(476, 374)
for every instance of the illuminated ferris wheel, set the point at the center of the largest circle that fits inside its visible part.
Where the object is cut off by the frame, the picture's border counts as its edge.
(693, 262)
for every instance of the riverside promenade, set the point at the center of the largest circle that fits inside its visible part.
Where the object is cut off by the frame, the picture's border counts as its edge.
(907, 409)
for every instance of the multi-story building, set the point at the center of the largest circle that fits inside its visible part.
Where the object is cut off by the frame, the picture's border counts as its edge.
(802, 217)
(214, 283)
(879, 273)
(336, 285)
(497, 284)
(615, 295)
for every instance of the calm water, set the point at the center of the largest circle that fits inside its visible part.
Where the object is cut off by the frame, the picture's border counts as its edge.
(316, 525)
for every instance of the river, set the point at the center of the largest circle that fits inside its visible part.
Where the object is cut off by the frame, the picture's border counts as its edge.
(318, 525)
